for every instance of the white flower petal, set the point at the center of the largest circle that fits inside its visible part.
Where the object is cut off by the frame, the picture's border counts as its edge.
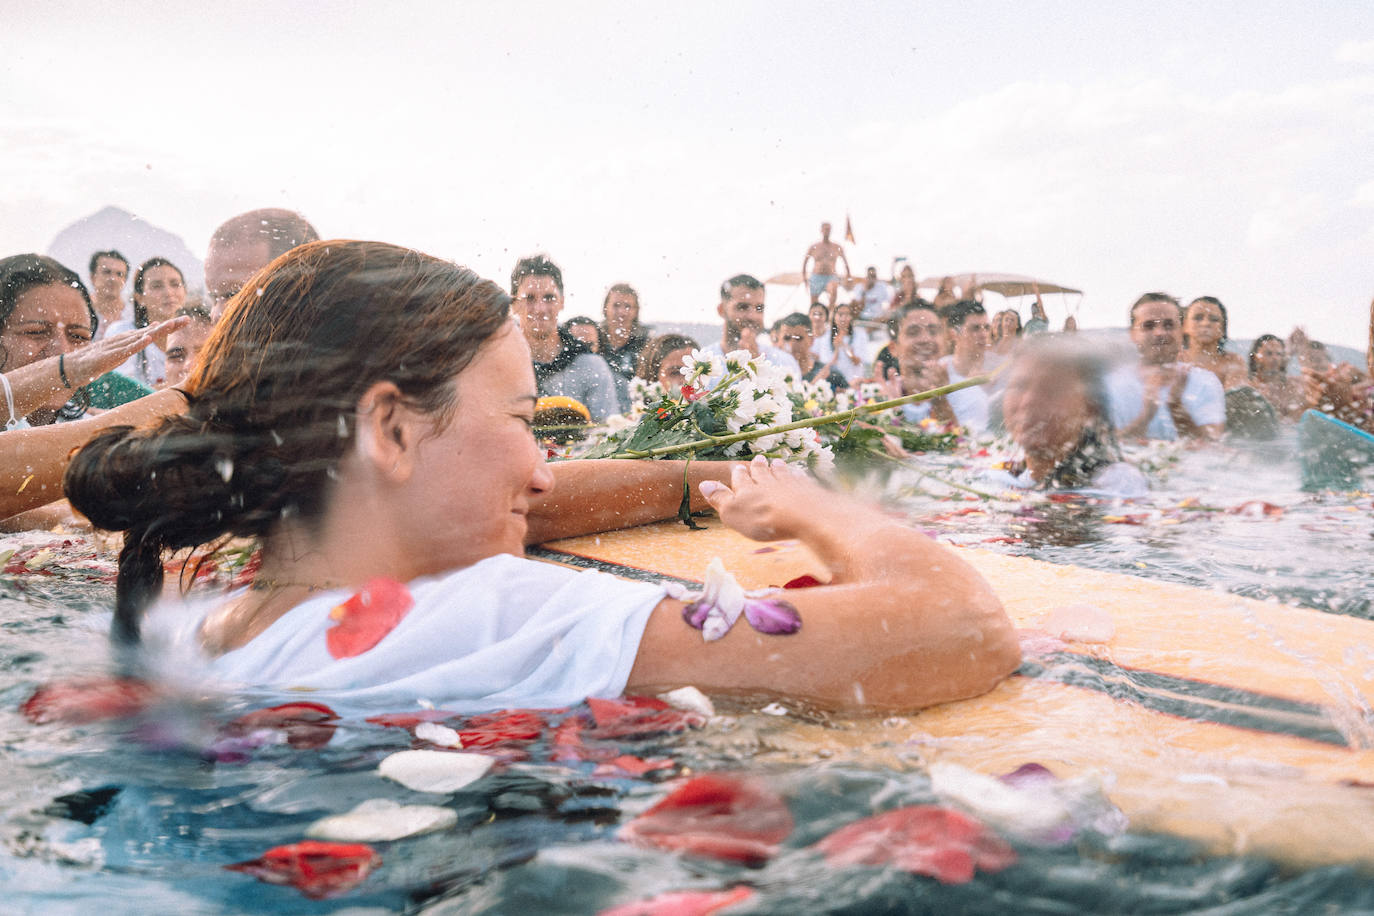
(434, 771)
(438, 734)
(380, 819)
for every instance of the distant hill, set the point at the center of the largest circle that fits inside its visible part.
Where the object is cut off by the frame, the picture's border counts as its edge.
(133, 237)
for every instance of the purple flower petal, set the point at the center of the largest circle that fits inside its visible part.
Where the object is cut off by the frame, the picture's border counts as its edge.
(772, 616)
(1030, 774)
(696, 613)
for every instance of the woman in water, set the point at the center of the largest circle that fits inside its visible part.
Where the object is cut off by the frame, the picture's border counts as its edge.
(365, 411)
(1055, 408)
(1269, 376)
(46, 354)
(1204, 341)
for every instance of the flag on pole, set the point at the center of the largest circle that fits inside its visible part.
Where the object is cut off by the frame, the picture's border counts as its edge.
(848, 231)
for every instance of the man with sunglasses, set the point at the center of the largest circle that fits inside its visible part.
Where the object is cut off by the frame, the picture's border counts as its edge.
(1161, 398)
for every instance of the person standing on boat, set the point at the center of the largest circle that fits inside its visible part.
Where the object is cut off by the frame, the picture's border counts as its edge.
(741, 308)
(1159, 397)
(109, 271)
(622, 337)
(971, 335)
(563, 365)
(824, 278)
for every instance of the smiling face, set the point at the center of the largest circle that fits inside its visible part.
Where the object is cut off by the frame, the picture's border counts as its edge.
(820, 320)
(973, 337)
(474, 478)
(163, 293)
(46, 321)
(1204, 324)
(844, 318)
(538, 301)
(920, 337)
(1156, 332)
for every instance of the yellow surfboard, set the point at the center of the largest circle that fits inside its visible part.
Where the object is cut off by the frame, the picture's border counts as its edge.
(1243, 724)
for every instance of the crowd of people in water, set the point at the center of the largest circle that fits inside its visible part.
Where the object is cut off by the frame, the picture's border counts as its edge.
(364, 411)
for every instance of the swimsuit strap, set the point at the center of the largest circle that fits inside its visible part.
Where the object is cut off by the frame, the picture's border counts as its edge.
(13, 421)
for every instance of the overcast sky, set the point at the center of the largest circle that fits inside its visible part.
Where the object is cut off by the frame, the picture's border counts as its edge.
(1198, 148)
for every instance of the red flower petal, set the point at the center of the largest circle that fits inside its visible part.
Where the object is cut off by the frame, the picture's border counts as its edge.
(367, 617)
(637, 717)
(631, 765)
(803, 581)
(409, 720)
(498, 728)
(682, 903)
(87, 700)
(307, 725)
(315, 868)
(717, 816)
(924, 839)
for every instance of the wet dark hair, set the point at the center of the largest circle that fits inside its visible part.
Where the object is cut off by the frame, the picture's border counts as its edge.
(894, 324)
(140, 310)
(1210, 300)
(537, 265)
(272, 405)
(956, 313)
(651, 359)
(95, 260)
(579, 319)
(1255, 348)
(794, 320)
(748, 281)
(20, 273)
(1153, 297)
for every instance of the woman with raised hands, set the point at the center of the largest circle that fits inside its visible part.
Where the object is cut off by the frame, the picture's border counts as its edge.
(366, 413)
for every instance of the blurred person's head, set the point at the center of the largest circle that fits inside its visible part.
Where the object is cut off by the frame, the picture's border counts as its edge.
(970, 331)
(918, 334)
(1204, 324)
(1268, 357)
(620, 309)
(245, 244)
(585, 330)
(1006, 324)
(794, 336)
(661, 360)
(741, 305)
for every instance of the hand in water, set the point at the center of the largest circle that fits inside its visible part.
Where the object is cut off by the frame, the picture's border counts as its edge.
(766, 500)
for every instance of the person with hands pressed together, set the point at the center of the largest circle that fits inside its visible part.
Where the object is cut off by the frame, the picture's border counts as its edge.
(918, 338)
(1160, 398)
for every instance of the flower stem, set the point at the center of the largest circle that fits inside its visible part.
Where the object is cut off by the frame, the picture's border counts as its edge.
(808, 423)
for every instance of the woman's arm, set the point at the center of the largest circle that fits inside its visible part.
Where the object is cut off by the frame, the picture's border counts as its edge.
(604, 494)
(36, 384)
(34, 460)
(903, 623)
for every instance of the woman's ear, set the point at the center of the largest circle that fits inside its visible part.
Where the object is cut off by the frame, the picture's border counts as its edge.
(388, 431)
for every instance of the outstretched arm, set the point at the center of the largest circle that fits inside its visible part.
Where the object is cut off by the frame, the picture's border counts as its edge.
(903, 622)
(34, 460)
(594, 495)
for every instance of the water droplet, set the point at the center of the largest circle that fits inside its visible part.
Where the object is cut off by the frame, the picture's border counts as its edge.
(225, 466)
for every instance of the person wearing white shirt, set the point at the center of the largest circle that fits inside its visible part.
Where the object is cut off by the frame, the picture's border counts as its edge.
(972, 336)
(741, 308)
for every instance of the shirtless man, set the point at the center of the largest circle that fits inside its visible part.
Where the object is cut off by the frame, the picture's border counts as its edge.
(1161, 398)
(824, 278)
(109, 270)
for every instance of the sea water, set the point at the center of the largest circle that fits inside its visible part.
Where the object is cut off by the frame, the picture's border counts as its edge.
(143, 818)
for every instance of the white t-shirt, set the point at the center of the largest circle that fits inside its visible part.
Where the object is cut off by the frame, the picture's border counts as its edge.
(148, 366)
(970, 405)
(1203, 398)
(504, 632)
